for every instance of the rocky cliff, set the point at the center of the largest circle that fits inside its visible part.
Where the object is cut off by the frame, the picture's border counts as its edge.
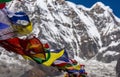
(84, 32)
(88, 33)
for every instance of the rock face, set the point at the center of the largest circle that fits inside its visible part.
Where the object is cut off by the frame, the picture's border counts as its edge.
(34, 73)
(12, 65)
(85, 32)
(118, 68)
(39, 70)
(89, 33)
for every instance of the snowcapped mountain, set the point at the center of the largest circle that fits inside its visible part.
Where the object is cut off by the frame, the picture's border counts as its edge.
(84, 32)
(87, 33)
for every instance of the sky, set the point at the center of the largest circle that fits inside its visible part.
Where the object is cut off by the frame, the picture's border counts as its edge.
(113, 4)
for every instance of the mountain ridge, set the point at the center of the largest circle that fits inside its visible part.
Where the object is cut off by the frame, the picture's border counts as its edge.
(83, 32)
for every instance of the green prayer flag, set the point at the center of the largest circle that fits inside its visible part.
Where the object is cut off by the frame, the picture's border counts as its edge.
(3, 1)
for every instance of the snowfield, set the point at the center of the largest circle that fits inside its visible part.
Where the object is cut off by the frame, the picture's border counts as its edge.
(98, 69)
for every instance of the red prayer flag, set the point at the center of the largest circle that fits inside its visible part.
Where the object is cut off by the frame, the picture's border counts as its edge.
(2, 5)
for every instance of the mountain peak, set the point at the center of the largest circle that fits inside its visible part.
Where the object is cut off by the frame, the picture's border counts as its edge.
(100, 5)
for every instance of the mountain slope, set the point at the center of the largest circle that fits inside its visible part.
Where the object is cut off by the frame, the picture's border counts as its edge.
(85, 32)
(88, 33)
